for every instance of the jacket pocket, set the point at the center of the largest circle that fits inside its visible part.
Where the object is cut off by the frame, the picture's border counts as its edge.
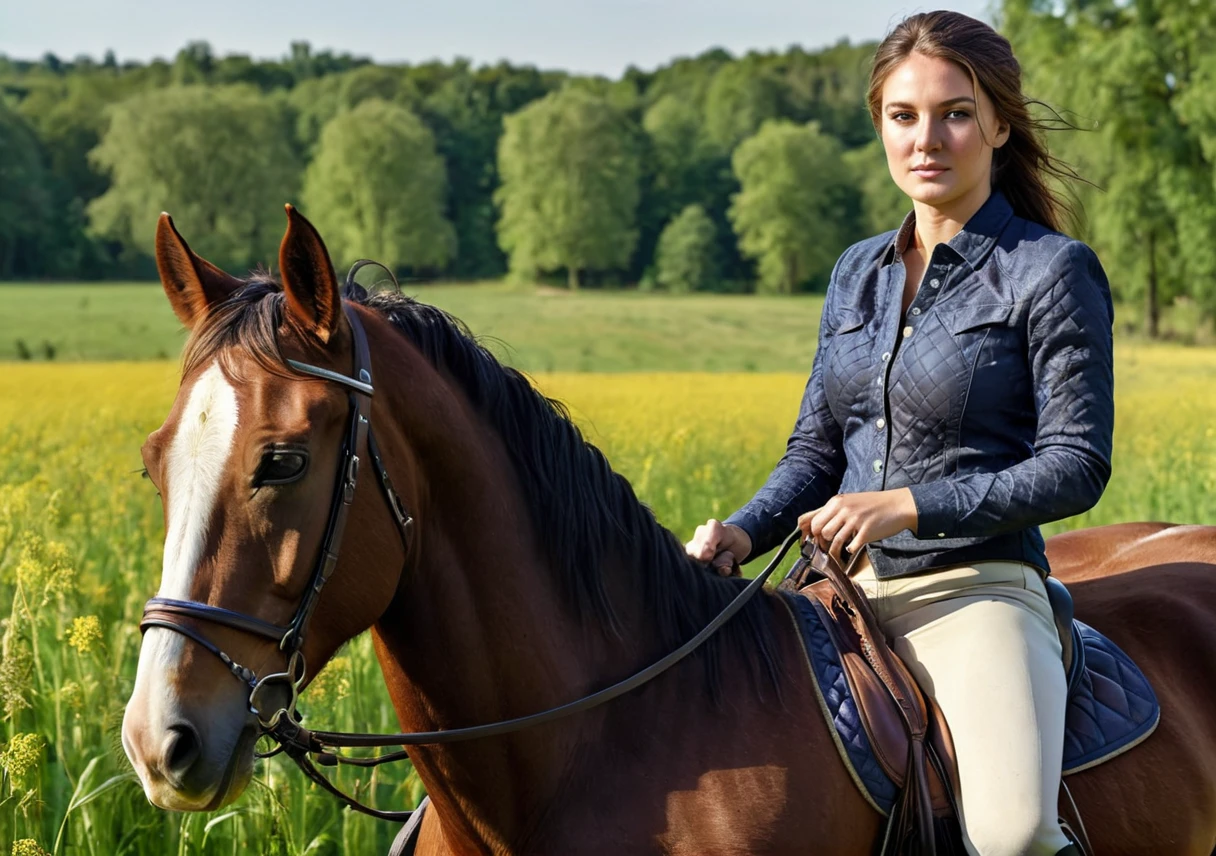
(980, 315)
(848, 323)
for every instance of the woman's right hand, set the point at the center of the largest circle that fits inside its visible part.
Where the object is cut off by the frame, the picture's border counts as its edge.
(723, 545)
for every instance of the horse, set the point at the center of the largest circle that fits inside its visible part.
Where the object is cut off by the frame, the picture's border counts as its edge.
(532, 576)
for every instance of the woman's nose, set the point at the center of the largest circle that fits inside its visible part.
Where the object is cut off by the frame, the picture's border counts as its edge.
(927, 137)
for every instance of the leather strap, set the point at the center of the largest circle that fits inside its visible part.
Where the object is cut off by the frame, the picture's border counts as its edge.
(319, 741)
(168, 609)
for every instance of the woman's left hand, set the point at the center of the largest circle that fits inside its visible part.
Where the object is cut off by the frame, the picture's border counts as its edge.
(852, 520)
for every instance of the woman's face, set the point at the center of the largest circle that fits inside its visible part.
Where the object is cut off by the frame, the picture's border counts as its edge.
(931, 132)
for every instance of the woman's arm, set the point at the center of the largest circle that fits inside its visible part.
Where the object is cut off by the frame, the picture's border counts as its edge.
(1071, 365)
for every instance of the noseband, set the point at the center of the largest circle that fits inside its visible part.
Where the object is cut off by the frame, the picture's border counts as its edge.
(282, 724)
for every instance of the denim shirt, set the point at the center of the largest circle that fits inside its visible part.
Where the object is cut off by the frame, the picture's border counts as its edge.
(992, 400)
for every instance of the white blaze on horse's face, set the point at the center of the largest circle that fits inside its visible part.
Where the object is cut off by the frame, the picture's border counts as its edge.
(198, 457)
(194, 468)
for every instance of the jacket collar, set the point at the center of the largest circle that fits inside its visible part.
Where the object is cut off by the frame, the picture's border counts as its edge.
(974, 241)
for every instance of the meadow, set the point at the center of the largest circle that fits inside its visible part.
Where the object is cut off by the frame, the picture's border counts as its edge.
(536, 329)
(80, 545)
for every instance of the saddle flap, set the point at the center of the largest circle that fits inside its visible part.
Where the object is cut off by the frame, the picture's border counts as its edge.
(880, 716)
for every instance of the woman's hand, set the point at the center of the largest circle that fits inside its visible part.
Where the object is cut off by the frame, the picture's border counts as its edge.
(852, 520)
(723, 545)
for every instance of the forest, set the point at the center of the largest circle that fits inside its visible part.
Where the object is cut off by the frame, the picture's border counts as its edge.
(711, 173)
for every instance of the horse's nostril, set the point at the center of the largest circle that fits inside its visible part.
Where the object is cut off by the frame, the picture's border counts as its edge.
(180, 750)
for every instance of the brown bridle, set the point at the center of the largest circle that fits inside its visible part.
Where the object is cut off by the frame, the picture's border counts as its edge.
(283, 724)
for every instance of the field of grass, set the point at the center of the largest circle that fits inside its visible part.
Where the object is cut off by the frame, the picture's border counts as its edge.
(80, 545)
(538, 330)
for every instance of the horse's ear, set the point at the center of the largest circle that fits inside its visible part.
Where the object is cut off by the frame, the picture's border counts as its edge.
(191, 283)
(313, 301)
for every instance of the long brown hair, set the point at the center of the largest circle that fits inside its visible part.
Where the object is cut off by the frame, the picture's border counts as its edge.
(1022, 167)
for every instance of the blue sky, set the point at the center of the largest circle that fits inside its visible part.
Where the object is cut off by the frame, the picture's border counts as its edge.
(593, 36)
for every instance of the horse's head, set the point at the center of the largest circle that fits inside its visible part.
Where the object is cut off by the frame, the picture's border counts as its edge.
(246, 464)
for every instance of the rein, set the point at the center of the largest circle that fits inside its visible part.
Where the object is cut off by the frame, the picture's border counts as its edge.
(283, 724)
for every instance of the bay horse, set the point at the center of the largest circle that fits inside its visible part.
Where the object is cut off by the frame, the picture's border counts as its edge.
(533, 576)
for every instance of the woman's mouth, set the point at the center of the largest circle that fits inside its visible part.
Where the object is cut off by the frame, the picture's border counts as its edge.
(932, 171)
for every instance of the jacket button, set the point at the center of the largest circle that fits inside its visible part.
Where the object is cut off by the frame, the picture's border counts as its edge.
(881, 423)
(935, 282)
(878, 466)
(907, 332)
(915, 310)
(886, 356)
(941, 534)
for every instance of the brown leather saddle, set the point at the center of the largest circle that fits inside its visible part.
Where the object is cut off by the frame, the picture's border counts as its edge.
(907, 730)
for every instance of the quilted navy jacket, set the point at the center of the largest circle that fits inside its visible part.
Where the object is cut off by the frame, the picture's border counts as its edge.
(992, 399)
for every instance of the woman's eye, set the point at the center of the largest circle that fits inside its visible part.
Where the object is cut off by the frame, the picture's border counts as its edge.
(960, 113)
(280, 466)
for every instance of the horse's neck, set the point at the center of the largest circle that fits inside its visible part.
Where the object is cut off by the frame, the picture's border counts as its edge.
(479, 632)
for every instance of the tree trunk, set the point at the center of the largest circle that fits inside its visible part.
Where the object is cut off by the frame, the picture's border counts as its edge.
(1153, 310)
(572, 277)
(791, 273)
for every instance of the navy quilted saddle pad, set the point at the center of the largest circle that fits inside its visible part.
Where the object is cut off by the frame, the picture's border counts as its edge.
(1111, 706)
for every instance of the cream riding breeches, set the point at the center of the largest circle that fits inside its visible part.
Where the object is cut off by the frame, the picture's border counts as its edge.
(982, 641)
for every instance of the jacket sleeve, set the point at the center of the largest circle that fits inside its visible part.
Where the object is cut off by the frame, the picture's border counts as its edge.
(813, 465)
(1070, 356)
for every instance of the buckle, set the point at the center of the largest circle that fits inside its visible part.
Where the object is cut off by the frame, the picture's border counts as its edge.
(351, 479)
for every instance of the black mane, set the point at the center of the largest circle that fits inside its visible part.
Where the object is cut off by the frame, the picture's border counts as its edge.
(584, 509)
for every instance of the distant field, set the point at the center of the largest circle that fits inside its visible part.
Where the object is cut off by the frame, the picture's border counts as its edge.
(538, 330)
(535, 330)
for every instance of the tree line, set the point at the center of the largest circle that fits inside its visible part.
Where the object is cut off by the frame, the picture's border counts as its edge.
(712, 172)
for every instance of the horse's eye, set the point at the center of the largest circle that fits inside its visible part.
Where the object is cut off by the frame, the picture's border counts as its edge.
(280, 465)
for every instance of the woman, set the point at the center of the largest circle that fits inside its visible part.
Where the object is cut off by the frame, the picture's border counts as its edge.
(961, 395)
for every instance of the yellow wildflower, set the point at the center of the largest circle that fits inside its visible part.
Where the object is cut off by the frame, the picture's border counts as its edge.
(333, 684)
(61, 575)
(84, 632)
(16, 670)
(21, 755)
(30, 570)
(28, 847)
(72, 695)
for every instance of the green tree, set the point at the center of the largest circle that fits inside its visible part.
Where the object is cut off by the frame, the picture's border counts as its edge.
(569, 192)
(376, 188)
(883, 204)
(741, 97)
(220, 159)
(24, 198)
(685, 258)
(1134, 76)
(792, 212)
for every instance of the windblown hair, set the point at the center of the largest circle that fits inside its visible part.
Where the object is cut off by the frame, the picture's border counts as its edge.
(1023, 168)
(585, 513)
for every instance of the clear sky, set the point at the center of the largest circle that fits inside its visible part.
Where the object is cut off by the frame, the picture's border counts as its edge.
(596, 36)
